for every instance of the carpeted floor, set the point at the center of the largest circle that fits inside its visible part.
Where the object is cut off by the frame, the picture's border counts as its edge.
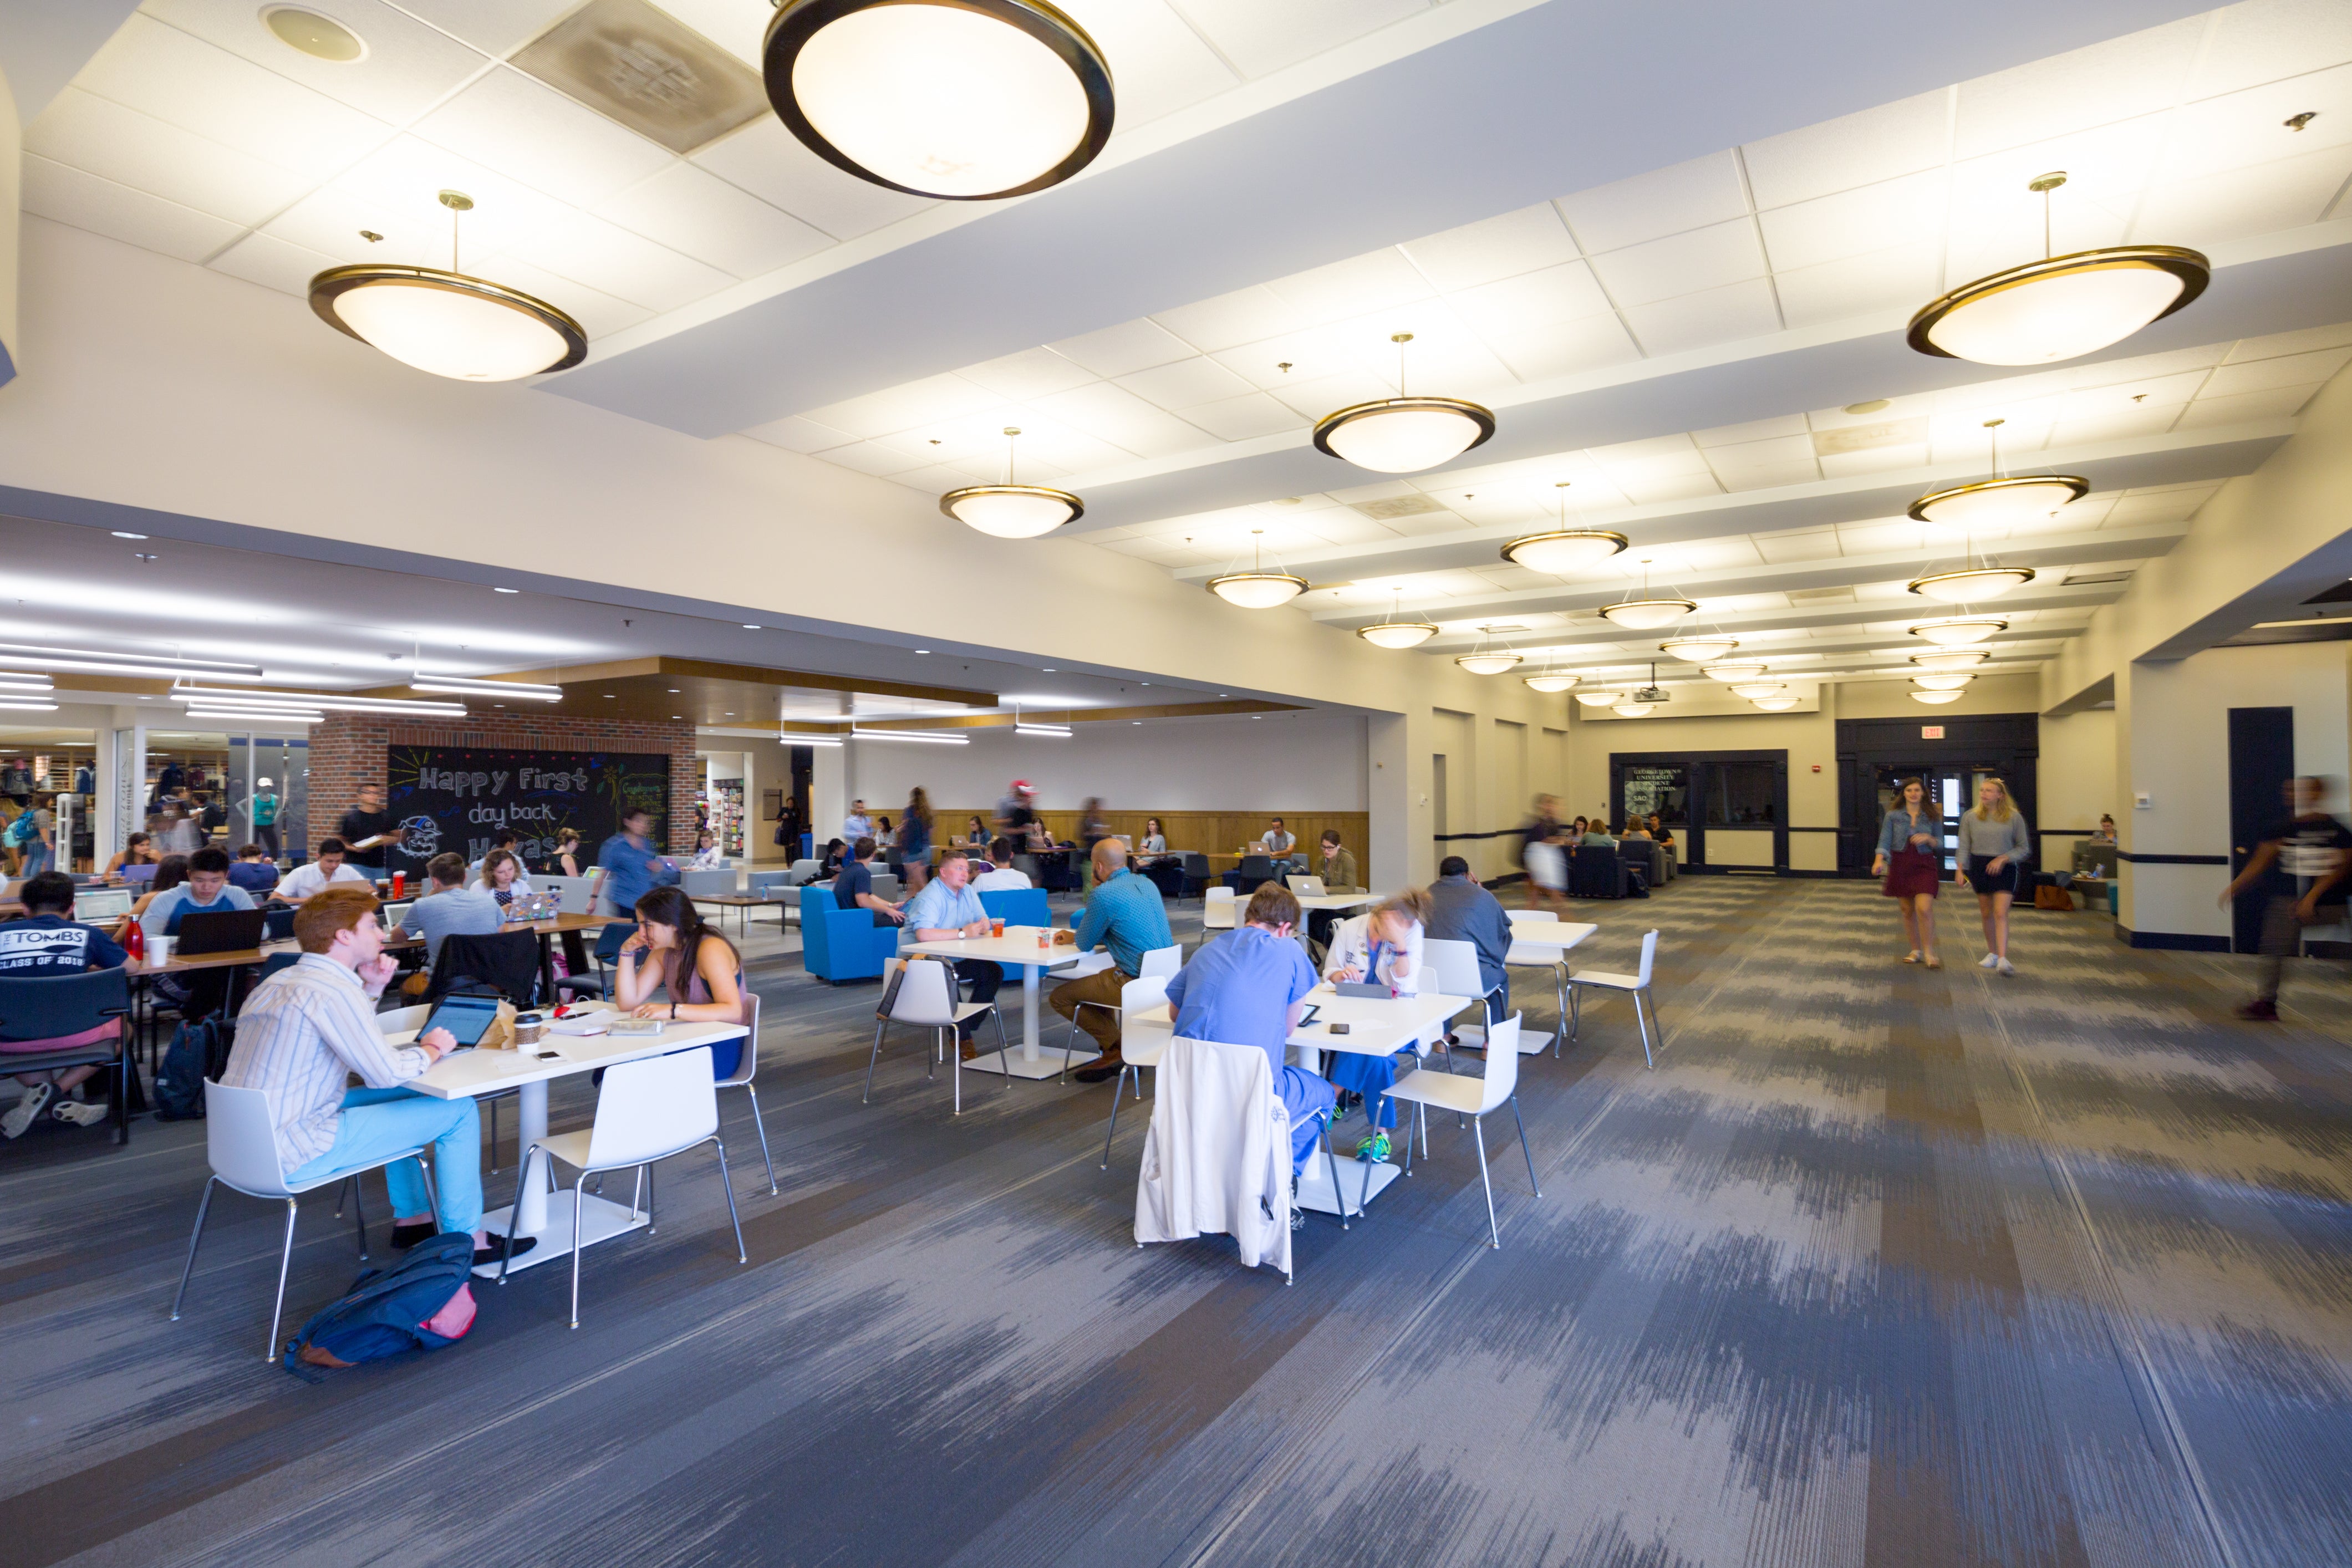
(1880, 1267)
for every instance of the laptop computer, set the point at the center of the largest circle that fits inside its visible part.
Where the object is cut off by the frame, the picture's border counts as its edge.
(217, 931)
(142, 873)
(101, 903)
(1306, 887)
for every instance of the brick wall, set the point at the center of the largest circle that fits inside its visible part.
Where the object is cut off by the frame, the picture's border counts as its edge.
(351, 747)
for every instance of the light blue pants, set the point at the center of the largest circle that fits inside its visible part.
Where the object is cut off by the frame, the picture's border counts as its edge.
(1304, 1096)
(377, 1123)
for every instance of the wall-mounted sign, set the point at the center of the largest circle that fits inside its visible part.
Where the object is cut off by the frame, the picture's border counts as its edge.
(1931, 731)
(456, 798)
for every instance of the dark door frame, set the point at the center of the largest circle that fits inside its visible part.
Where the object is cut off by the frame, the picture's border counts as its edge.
(2261, 760)
(2010, 743)
(1691, 854)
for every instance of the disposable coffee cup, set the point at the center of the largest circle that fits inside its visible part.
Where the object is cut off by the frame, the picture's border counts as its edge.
(159, 949)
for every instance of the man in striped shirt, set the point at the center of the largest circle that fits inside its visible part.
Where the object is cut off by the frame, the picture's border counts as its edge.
(306, 1029)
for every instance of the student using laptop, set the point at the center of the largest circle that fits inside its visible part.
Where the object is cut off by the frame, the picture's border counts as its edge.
(449, 908)
(251, 872)
(48, 941)
(206, 889)
(313, 878)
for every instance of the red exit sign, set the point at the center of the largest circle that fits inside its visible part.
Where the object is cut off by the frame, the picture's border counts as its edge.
(1931, 731)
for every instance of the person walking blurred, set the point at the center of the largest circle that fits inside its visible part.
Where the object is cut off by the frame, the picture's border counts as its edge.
(915, 839)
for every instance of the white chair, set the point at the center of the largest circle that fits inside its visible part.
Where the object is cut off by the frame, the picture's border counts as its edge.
(1473, 1098)
(928, 998)
(1161, 963)
(1454, 972)
(745, 1066)
(1139, 1047)
(647, 1111)
(1521, 955)
(242, 1148)
(1637, 985)
(1218, 912)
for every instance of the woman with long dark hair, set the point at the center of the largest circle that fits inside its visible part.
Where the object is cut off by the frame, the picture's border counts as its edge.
(1911, 858)
(697, 969)
(170, 872)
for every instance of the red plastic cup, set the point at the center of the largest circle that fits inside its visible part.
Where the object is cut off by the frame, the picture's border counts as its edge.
(399, 883)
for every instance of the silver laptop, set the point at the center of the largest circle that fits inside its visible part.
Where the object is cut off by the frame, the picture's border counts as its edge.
(101, 903)
(1306, 887)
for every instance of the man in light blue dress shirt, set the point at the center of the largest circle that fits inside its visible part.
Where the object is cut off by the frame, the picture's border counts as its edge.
(946, 910)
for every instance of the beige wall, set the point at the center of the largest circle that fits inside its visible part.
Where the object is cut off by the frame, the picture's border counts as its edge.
(2077, 777)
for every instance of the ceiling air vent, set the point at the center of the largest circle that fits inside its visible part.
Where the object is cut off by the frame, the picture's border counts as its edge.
(1869, 437)
(2093, 579)
(1396, 506)
(634, 64)
(1820, 596)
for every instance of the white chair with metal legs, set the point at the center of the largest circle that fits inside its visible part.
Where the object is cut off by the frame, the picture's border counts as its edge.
(1219, 911)
(1523, 955)
(1139, 1047)
(1452, 971)
(926, 997)
(1158, 963)
(1473, 1098)
(647, 1111)
(242, 1148)
(1635, 985)
(745, 1066)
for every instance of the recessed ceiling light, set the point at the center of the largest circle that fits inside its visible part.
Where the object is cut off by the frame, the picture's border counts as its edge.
(1871, 407)
(749, 627)
(126, 533)
(505, 590)
(320, 37)
(923, 651)
(678, 715)
(1049, 670)
(731, 715)
(142, 555)
(673, 691)
(609, 695)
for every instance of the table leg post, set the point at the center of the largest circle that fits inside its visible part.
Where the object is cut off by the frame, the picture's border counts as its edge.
(1029, 972)
(530, 1113)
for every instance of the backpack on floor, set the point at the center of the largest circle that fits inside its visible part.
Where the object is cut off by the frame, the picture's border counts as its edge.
(198, 1050)
(421, 1303)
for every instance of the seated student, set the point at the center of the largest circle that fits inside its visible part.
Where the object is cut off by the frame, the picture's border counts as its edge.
(1248, 988)
(1000, 875)
(251, 872)
(697, 970)
(308, 1028)
(506, 838)
(170, 872)
(835, 852)
(853, 886)
(1659, 830)
(501, 879)
(706, 857)
(2107, 833)
(139, 850)
(1382, 948)
(1636, 829)
(1462, 911)
(206, 889)
(1597, 836)
(565, 861)
(1336, 865)
(449, 908)
(49, 941)
(1280, 842)
(1126, 916)
(314, 877)
(947, 907)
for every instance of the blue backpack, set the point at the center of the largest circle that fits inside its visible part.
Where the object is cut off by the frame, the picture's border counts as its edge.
(423, 1302)
(24, 830)
(197, 1051)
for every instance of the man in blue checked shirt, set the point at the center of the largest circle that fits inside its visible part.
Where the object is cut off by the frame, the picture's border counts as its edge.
(945, 909)
(1124, 915)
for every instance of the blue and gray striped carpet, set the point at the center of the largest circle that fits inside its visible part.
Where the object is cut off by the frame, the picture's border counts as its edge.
(1880, 1267)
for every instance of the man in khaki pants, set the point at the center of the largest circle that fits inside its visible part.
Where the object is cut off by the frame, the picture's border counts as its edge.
(1124, 915)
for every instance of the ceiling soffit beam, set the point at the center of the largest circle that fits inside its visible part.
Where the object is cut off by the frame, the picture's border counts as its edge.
(1327, 175)
(756, 675)
(1706, 389)
(2030, 597)
(1026, 716)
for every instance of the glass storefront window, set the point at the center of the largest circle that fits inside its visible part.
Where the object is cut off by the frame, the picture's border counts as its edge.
(1740, 795)
(1664, 791)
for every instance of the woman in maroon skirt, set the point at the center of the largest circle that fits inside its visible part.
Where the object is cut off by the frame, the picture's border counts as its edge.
(1911, 858)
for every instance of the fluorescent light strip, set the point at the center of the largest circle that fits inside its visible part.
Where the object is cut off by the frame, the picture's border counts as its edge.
(15, 706)
(25, 683)
(787, 738)
(145, 663)
(908, 735)
(468, 686)
(271, 716)
(1055, 731)
(329, 701)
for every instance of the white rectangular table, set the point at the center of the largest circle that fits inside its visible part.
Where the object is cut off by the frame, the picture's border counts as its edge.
(1016, 949)
(1545, 944)
(1377, 1026)
(529, 1070)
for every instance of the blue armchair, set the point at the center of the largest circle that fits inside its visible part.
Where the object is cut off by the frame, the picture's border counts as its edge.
(1018, 906)
(838, 944)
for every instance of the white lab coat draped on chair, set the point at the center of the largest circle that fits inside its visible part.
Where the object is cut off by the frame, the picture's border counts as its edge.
(1217, 1158)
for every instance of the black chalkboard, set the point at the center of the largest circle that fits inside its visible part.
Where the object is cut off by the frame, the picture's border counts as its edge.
(455, 798)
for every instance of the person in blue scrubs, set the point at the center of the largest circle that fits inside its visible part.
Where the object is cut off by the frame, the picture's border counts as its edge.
(1248, 988)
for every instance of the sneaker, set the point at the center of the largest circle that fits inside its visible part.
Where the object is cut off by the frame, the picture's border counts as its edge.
(74, 1113)
(37, 1100)
(2006, 967)
(1373, 1149)
(1989, 961)
(2260, 1011)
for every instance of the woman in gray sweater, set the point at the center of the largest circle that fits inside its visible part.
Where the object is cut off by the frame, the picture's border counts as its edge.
(1993, 849)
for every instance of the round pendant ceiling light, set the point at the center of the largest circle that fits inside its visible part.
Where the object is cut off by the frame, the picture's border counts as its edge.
(1950, 659)
(1646, 614)
(1602, 697)
(1403, 435)
(1699, 650)
(1257, 588)
(1975, 583)
(1562, 551)
(445, 323)
(1959, 631)
(1632, 709)
(2060, 307)
(1550, 680)
(1999, 502)
(1937, 698)
(1733, 669)
(1393, 632)
(962, 100)
(1752, 690)
(1010, 510)
(1776, 704)
(1483, 660)
(1950, 681)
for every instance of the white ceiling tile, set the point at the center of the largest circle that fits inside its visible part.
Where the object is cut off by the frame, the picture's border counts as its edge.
(272, 263)
(2146, 419)
(1160, 64)
(1889, 537)
(104, 138)
(1903, 278)
(1566, 348)
(739, 27)
(1031, 372)
(1775, 429)
(694, 211)
(1652, 455)
(1680, 486)
(84, 200)
(1682, 264)
(1259, 37)
(2267, 39)
(932, 399)
(796, 433)
(1244, 316)
(1376, 281)
(1330, 393)
(609, 259)
(2135, 396)
(2139, 73)
(1768, 477)
(2277, 402)
(1124, 349)
(1874, 145)
(1777, 451)
(407, 67)
(1340, 348)
(1716, 316)
(1115, 415)
(1807, 544)
(493, 27)
(184, 81)
(768, 161)
(1341, 526)
(2295, 342)
(1184, 382)
(2247, 128)
(1497, 248)
(1496, 310)
(872, 458)
(1243, 418)
(1666, 201)
(1877, 459)
(509, 123)
(1056, 447)
(2174, 503)
(2286, 194)
(599, 314)
(1858, 221)
(403, 181)
(330, 222)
